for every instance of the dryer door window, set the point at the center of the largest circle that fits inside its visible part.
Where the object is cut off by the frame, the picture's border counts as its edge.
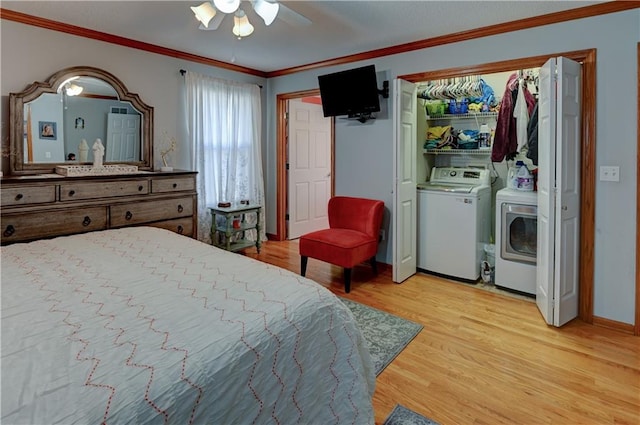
(519, 233)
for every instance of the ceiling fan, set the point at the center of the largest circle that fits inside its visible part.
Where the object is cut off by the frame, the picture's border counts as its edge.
(211, 13)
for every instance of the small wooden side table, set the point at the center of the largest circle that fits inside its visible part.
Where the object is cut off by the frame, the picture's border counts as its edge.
(232, 221)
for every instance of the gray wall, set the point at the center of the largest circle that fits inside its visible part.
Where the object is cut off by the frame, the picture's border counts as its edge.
(33, 54)
(364, 151)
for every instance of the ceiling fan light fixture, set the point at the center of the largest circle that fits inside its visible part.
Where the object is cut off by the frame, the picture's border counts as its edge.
(227, 6)
(204, 13)
(266, 10)
(242, 27)
(73, 89)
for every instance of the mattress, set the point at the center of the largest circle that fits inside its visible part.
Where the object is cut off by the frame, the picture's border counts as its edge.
(140, 325)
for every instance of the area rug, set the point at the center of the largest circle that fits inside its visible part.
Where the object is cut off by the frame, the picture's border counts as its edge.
(400, 415)
(386, 334)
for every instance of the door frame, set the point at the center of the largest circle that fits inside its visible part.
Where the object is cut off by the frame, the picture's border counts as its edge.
(282, 101)
(637, 324)
(588, 154)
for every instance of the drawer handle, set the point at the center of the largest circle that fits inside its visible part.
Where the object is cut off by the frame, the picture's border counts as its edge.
(9, 231)
(140, 188)
(175, 185)
(72, 192)
(180, 229)
(86, 221)
(19, 196)
(128, 215)
(180, 209)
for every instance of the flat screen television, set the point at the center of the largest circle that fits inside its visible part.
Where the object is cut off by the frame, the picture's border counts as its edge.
(353, 92)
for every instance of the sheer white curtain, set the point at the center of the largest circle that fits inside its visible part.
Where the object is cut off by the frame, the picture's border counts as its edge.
(223, 125)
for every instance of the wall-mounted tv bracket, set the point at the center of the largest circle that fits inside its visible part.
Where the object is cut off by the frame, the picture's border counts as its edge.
(366, 116)
(362, 117)
(384, 91)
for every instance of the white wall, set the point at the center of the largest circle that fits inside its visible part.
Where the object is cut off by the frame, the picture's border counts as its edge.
(364, 152)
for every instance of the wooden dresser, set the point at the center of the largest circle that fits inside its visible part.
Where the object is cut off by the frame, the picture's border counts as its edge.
(44, 206)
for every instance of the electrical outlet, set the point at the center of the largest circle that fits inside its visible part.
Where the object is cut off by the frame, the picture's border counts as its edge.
(382, 235)
(47, 154)
(609, 173)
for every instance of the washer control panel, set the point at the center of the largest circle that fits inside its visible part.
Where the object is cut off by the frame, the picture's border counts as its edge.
(473, 176)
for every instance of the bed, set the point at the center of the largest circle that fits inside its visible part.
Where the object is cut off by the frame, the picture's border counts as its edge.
(140, 325)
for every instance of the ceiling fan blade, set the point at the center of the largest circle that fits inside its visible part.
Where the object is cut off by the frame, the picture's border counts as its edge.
(292, 17)
(214, 23)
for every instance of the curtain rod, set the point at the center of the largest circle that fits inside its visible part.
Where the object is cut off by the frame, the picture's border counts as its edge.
(184, 71)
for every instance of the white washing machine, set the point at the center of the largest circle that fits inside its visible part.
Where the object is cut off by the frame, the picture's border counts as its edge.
(454, 221)
(516, 240)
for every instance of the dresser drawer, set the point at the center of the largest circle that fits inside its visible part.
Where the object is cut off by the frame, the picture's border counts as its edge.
(173, 184)
(26, 226)
(26, 195)
(148, 211)
(182, 226)
(90, 190)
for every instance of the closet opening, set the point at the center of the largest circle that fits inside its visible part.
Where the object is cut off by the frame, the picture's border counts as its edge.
(429, 156)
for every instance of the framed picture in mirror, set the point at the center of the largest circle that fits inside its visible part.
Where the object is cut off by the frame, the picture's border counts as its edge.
(47, 130)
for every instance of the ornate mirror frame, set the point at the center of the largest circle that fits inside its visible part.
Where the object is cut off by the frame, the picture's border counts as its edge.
(17, 101)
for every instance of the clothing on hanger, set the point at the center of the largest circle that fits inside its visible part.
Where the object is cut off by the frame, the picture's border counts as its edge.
(505, 142)
(521, 114)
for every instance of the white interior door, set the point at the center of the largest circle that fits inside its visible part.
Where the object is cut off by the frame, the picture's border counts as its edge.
(309, 177)
(123, 138)
(405, 193)
(558, 191)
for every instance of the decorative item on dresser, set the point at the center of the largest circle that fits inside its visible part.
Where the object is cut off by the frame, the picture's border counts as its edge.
(36, 207)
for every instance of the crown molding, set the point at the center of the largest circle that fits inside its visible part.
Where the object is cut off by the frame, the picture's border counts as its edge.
(49, 24)
(551, 18)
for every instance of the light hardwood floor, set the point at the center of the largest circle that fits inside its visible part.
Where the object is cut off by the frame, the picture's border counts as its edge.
(486, 358)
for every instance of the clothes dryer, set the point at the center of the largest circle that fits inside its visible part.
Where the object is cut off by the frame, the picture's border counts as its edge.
(454, 221)
(516, 240)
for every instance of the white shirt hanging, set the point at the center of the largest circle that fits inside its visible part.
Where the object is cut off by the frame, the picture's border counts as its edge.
(521, 114)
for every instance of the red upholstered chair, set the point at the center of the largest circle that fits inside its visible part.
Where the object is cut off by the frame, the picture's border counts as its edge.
(352, 236)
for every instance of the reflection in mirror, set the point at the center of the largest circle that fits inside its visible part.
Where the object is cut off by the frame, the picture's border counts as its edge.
(55, 122)
(88, 109)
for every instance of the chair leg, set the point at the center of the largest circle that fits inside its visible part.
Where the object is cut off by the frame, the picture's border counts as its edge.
(374, 264)
(303, 265)
(347, 280)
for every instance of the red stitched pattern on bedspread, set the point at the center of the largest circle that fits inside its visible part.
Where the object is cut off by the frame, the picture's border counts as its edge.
(121, 331)
(201, 282)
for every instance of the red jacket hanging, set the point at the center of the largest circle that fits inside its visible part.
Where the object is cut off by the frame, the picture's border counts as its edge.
(505, 142)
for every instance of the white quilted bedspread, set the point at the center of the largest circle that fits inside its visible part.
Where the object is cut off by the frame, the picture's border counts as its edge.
(142, 326)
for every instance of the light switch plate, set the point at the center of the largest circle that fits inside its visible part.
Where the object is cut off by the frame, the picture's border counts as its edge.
(609, 173)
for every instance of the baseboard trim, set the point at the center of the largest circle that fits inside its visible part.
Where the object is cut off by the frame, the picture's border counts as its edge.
(614, 325)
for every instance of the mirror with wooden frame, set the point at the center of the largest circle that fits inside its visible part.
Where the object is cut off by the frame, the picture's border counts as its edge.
(50, 121)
